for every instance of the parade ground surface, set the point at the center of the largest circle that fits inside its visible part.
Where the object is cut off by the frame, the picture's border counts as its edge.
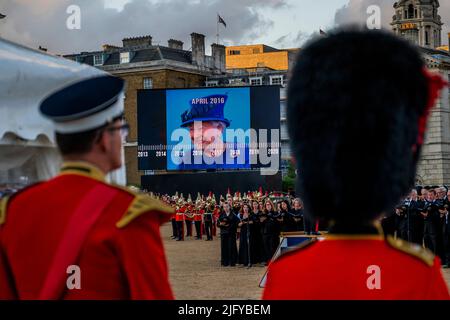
(196, 274)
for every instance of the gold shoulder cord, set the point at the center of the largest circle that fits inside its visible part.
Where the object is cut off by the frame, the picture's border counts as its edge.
(140, 205)
(3, 205)
(414, 250)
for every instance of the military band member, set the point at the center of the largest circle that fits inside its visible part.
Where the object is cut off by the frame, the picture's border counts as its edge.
(198, 216)
(376, 115)
(179, 217)
(78, 220)
(173, 222)
(189, 216)
(216, 215)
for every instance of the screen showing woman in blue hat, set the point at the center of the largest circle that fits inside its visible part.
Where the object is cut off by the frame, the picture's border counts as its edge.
(208, 129)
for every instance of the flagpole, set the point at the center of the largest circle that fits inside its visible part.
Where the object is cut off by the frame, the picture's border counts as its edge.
(217, 29)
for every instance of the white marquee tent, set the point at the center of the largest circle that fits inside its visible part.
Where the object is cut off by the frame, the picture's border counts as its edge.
(27, 148)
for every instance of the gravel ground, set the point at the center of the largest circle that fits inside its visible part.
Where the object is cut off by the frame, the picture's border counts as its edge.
(196, 274)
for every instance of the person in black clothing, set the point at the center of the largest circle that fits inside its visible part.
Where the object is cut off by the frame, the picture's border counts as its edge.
(430, 213)
(256, 243)
(442, 209)
(446, 233)
(285, 223)
(447, 199)
(278, 205)
(309, 225)
(208, 221)
(228, 223)
(269, 230)
(174, 224)
(388, 224)
(415, 219)
(296, 214)
(265, 237)
(244, 236)
(401, 222)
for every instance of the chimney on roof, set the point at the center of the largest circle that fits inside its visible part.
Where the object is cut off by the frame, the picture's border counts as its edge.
(198, 49)
(218, 54)
(175, 44)
(138, 41)
(108, 47)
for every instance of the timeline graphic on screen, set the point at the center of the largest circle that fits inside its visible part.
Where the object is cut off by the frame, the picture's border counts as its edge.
(220, 128)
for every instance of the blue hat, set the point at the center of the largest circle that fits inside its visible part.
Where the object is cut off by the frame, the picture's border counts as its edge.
(209, 108)
(85, 105)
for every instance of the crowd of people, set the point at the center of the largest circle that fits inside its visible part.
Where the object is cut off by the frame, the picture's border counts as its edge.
(423, 218)
(249, 224)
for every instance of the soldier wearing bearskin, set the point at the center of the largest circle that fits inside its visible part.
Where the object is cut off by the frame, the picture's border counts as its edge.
(358, 104)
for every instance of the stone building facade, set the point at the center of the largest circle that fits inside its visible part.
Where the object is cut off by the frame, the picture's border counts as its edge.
(146, 66)
(434, 167)
(419, 22)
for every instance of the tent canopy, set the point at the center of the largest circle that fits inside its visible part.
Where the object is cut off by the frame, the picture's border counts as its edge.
(27, 146)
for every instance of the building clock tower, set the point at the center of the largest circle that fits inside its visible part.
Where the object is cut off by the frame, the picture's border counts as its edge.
(418, 21)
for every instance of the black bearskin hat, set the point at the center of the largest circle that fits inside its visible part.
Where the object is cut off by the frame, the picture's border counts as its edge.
(354, 104)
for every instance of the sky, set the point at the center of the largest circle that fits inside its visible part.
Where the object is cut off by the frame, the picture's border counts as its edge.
(279, 23)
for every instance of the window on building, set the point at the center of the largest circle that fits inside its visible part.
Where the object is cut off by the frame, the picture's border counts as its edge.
(212, 83)
(148, 83)
(427, 38)
(284, 135)
(283, 109)
(237, 81)
(276, 80)
(410, 11)
(286, 152)
(98, 60)
(234, 52)
(256, 81)
(124, 57)
(180, 83)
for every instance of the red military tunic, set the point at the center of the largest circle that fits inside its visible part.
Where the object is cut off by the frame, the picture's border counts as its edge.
(180, 214)
(121, 257)
(198, 214)
(189, 213)
(356, 268)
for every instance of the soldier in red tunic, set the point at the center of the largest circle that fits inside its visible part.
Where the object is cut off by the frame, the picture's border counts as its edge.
(189, 216)
(179, 218)
(358, 103)
(77, 236)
